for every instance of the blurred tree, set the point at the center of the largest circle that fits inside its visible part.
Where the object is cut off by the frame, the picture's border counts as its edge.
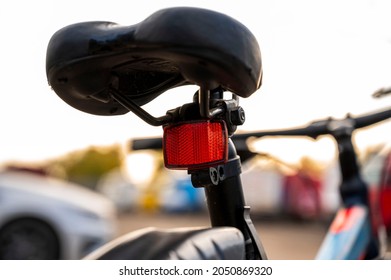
(86, 167)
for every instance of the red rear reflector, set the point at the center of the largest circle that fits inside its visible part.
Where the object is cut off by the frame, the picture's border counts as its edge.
(195, 145)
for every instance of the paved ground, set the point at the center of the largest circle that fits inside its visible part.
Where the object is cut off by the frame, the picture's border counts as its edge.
(282, 239)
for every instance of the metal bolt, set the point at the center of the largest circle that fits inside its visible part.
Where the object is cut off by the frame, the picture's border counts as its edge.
(238, 116)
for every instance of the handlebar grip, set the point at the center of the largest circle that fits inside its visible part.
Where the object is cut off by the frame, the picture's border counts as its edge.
(147, 144)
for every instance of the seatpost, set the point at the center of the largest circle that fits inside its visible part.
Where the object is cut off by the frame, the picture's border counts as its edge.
(225, 199)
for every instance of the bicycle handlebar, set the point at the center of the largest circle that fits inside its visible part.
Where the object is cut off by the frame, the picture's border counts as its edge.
(328, 126)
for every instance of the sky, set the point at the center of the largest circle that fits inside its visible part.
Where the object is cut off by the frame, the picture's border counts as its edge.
(320, 59)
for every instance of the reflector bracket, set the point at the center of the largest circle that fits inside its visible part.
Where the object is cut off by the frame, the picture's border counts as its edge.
(195, 145)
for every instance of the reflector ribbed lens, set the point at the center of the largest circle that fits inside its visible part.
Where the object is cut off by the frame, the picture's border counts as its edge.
(195, 145)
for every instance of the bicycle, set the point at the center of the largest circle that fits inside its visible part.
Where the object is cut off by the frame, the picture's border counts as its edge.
(103, 68)
(356, 231)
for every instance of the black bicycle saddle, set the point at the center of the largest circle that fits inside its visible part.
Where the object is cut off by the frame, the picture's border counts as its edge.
(170, 48)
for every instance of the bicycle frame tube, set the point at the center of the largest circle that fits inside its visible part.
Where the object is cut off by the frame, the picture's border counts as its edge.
(353, 189)
(350, 235)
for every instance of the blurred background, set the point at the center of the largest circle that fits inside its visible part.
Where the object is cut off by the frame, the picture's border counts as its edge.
(62, 168)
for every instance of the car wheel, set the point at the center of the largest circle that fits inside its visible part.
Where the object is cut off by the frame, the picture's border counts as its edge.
(28, 239)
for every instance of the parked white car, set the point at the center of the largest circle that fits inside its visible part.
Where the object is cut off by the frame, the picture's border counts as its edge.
(46, 218)
(119, 189)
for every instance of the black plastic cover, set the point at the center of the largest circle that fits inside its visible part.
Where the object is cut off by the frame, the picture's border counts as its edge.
(222, 243)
